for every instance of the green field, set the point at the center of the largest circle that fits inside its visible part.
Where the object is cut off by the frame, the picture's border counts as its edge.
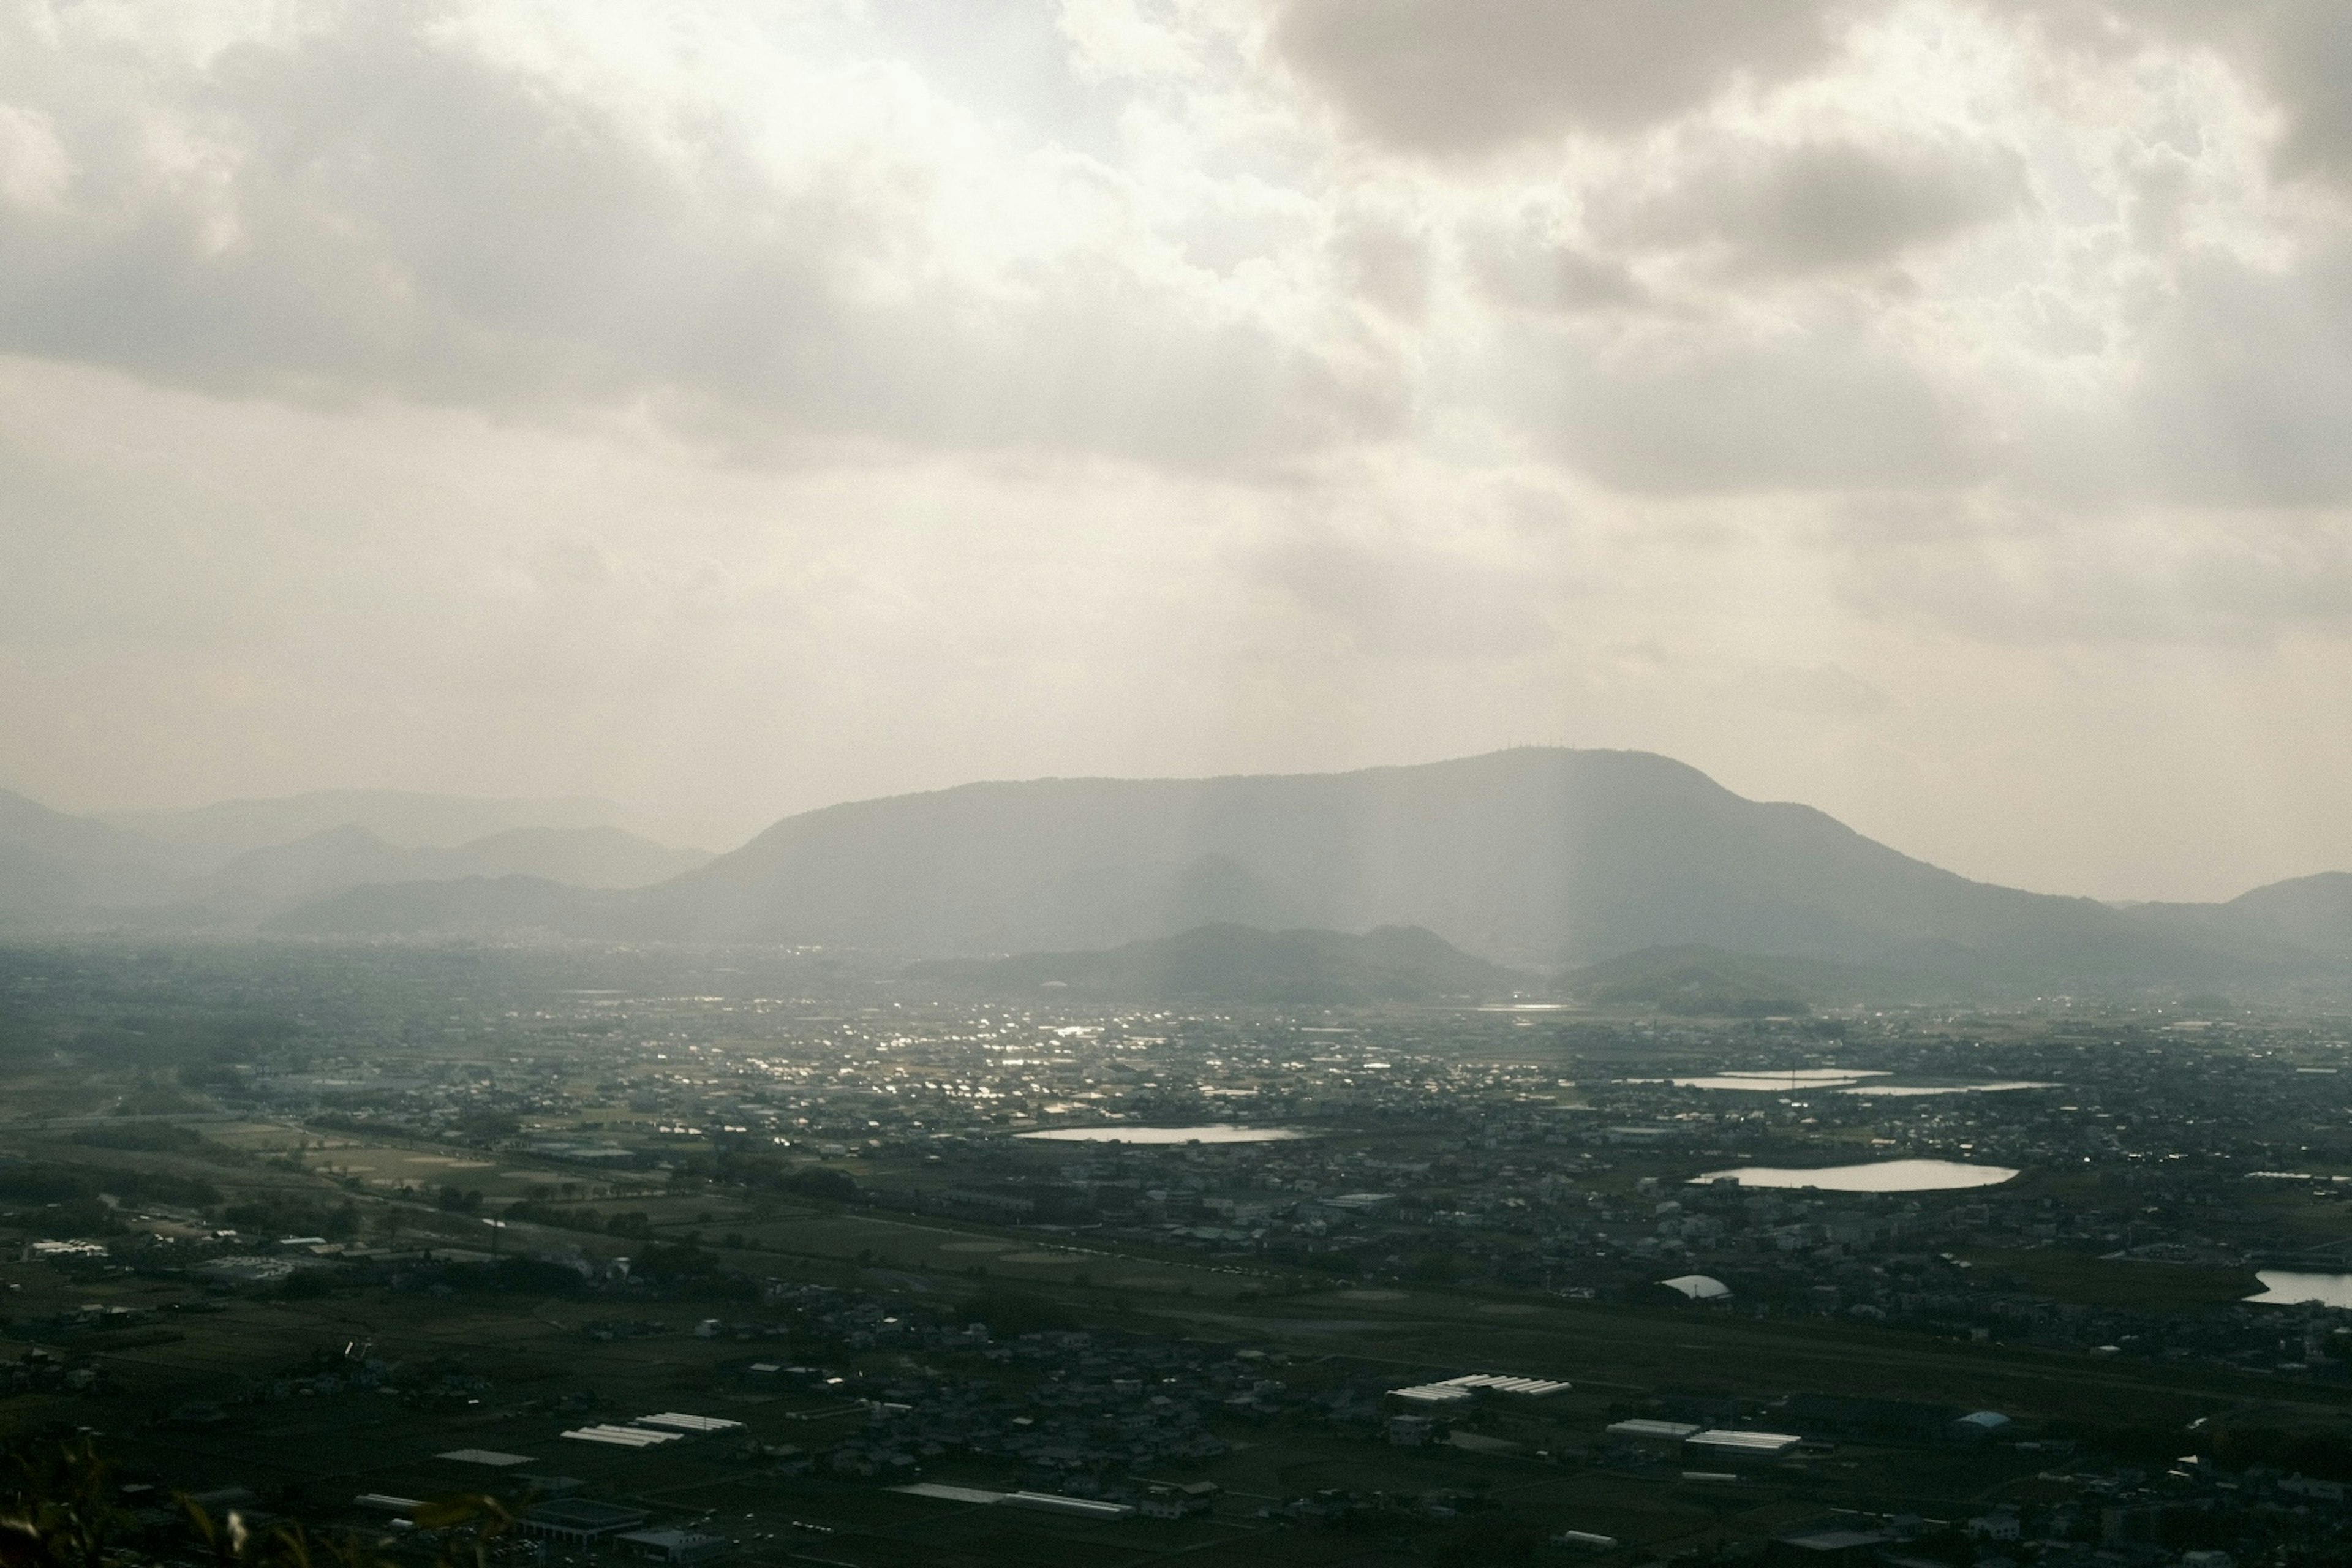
(2074, 1278)
(316, 1453)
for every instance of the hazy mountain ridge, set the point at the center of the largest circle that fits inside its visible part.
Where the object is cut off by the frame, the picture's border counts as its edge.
(2302, 918)
(61, 871)
(350, 857)
(54, 864)
(1534, 859)
(28, 825)
(217, 834)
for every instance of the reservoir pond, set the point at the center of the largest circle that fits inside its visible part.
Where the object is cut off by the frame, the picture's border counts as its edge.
(1217, 1132)
(2288, 1287)
(1878, 1177)
(1786, 1081)
(1910, 1090)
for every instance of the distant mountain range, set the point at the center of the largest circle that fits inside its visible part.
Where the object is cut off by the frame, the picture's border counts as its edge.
(1539, 860)
(2285, 922)
(238, 864)
(211, 835)
(341, 857)
(55, 868)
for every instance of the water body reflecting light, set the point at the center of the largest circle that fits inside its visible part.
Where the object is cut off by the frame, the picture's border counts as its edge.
(2289, 1287)
(1879, 1176)
(1218, 1132)
(1904, 1091)
(1786, 1082)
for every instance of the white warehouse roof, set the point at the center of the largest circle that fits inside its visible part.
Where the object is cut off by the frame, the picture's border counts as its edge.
(684, 1423)
(1432, 1394)
(1456, 1389)
(1752, 1445)
(621, 1437)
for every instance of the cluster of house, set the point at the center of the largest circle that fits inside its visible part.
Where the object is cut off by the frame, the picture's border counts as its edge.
(41, 1370)
(1101, 1411)
(1424, 1401)
(583, 1524)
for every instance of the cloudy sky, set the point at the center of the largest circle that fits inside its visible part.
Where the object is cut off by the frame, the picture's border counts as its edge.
(1937, 411)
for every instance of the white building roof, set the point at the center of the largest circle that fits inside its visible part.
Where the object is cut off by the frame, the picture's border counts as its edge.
(947, 1493)
(1055, 1503)
(1432, 1394)
(672, 1540)
(621, 1437)
(1456, 1389)
(685, 1423)
(1752, 1443)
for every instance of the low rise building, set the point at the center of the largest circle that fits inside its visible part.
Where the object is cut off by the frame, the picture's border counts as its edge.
(1658, 1437)
(1742, 1448)
(1179, 1501)
(577, 1522)
(673, 1545)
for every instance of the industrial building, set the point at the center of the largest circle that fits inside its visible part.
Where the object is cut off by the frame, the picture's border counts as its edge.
(577, 1522)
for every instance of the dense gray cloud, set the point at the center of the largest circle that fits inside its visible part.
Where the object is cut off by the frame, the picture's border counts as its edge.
(1827, 206)
(380, 204)
(2307, 63)
(1525, 268)
(396, 201)
(2246, 392)
(1467, 76)
(2237, 394)
(2297, 52)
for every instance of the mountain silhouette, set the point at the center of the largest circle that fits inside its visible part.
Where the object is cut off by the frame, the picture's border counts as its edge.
(1534, 858)
(1539, 860)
